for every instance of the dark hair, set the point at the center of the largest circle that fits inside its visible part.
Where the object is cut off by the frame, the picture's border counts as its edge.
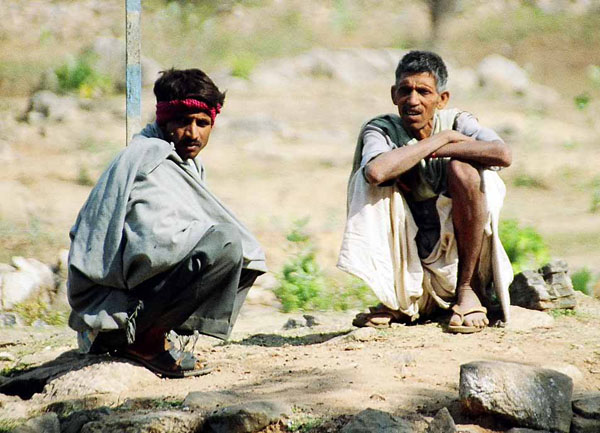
(416, 62)
(177, 84)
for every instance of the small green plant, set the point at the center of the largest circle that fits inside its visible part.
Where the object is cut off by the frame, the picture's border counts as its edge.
(79, 75)
(243, 65)
(303, 285)
(302, 282)
(37, 309)
(8, 425)
(528, 181)
(83, 177)
(524, 246)
(595, 203)
(562, 313)
(583, 281)
(304, 425)
(582, 101)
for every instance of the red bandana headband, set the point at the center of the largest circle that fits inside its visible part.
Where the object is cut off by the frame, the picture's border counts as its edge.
(168, 110)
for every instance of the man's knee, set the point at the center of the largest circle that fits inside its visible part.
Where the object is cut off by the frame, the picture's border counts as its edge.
(462, 176)
(227, 242)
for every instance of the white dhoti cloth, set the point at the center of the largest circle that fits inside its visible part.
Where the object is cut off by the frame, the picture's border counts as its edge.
(379, 247)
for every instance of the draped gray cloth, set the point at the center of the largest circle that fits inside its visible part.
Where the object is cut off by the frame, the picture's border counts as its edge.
(147, 212)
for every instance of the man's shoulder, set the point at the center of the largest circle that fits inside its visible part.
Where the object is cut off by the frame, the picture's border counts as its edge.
(146, 153)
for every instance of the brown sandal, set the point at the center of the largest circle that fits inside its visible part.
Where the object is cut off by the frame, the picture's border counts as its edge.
(463, 329)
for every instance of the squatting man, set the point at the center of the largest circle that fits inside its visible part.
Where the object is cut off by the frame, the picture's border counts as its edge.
(153, 250)
(423, 203)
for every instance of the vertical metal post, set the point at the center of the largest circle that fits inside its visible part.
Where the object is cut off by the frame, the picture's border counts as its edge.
(133, 41)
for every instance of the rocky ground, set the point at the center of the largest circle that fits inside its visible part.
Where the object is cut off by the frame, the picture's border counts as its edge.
(327, 372)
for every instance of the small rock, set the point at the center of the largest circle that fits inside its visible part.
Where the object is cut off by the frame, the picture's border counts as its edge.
(210, 399)
(523, 319)
(51, 106)
(291, 324)
(500, 73)
(588, 406)
(442, 422)
(162, 421)
(7, 356)
(310, 320)
(246, 418)
(75, 421)
(528, 396)
(47, 423)
(371, 420)
(580, 424)
(10, 319)
(362, 334)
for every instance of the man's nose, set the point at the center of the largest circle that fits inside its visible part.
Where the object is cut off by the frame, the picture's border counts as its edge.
(192, 131)
(413, 98)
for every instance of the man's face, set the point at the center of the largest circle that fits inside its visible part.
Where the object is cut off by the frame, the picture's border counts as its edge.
(417, 98)
(189, 133)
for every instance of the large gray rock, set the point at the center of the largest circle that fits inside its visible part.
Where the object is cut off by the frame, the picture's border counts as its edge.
(203, 400)
(153, 422)
(548, 288)
(246, 418)
(47, 423)
(585, 425)
(371, 420)
(75, 421)
(523, 319)
(528, 396)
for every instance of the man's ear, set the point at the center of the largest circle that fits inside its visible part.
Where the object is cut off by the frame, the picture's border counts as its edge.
(444, 98)
(393, 94)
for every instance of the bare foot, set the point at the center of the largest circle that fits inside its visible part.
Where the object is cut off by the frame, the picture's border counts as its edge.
(467, 300)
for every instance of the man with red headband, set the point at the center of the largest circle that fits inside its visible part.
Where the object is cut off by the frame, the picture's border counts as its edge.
(153, 250)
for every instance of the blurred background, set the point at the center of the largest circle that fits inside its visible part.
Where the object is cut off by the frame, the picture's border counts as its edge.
(301, 77)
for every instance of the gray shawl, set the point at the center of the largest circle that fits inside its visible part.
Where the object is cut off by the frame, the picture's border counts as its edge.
(147, 212)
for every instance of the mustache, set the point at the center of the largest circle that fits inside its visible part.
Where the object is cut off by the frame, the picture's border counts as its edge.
(188, 142)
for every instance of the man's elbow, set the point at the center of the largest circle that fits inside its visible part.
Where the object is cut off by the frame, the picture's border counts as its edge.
(373, 176)
(504, 155)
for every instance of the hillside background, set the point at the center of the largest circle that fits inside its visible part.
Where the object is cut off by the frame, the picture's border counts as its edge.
(297, 92)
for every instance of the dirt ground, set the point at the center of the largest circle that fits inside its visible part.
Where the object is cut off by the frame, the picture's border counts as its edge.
(326, 373)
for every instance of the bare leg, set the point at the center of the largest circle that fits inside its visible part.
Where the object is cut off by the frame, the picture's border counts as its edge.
(468, 217)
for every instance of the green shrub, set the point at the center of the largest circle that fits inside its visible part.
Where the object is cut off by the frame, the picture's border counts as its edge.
(583, 280)
(79, 75)
(37, 309)
(243, 65)
(525, 247)
(303, 285)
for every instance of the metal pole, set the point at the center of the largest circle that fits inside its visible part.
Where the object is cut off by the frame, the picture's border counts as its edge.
(133, 80)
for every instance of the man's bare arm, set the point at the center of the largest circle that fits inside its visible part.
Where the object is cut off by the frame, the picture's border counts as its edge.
(390, 165)
(487, 153)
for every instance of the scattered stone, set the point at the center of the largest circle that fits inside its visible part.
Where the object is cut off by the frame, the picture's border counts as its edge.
(10, 319)
(546, 289)
(47, 423)
(28, 278)
(588, 406)
(522, 319)
(108, 377)
(7, 356)
(499, 73)
(371, 420)
(377, 397)
(525, 430)
(291, 324)
(362, 334)
(528, 396)
(48, 105)
(204, 400)
(569, 369)
(442, 422)
(74, 422)
(159, 422)
(584, 425)
(246, 418)
(310, 320)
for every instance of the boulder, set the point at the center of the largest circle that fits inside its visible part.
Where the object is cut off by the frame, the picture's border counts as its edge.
(501, 74)
(548, 288)
(204, 400)
(371, 420)
(246, 418)
(143, 422)
(527, 396)
(47, 423)
(75, 421)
